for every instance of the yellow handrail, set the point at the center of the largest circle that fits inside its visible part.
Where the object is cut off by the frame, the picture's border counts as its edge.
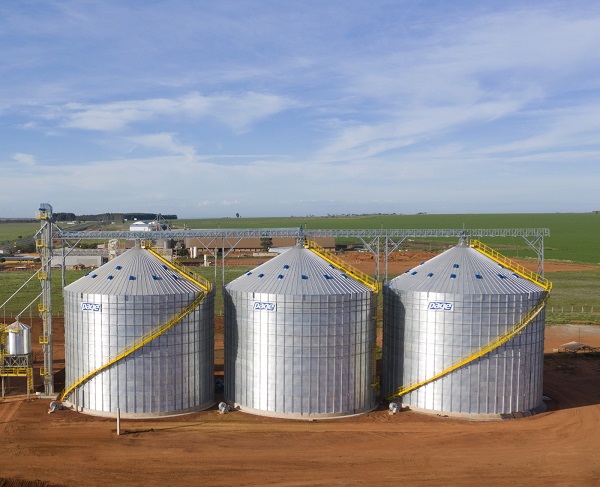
(511, 265)
(492, 345)
(344, 266)
(138, 343)
(204, 284)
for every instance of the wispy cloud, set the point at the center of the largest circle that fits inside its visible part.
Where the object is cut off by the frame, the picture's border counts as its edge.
(25, 159)
(303, 108)
(237, 111)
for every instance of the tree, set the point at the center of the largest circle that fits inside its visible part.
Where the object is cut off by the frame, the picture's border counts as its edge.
(265, 243)
(237, 215)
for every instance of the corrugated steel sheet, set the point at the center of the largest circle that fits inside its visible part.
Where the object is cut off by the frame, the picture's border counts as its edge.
(135, 272)
(462, 270)
(444, 310)
(298, 271)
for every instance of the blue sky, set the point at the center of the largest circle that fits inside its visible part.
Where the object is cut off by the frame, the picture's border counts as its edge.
(280, 108)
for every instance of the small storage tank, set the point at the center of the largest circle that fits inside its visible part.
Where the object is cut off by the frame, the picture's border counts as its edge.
(299, 339)
(444, 310)
(119, 304)
(18, 339)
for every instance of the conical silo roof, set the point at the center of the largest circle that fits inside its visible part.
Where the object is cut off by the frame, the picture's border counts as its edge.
(463, 270)
(297, 271)
(135, 272)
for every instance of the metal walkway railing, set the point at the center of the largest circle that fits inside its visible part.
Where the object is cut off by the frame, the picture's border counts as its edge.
(344, 266)
(511, 265)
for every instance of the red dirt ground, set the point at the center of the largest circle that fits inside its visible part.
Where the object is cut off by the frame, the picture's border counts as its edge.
(559, 447)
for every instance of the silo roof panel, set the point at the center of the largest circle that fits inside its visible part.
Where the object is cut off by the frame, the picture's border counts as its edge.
(135, 272)
(297, 271)
(462, 270)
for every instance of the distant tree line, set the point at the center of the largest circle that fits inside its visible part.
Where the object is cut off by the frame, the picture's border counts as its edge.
(110, 217)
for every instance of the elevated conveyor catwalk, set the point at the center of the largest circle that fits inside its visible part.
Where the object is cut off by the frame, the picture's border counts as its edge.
(157, 331)
(344, 266)
(500, 340)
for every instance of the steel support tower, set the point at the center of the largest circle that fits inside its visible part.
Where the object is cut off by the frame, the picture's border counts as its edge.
(44, 247)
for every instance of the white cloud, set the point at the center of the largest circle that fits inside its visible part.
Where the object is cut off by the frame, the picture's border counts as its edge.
(24, 159)
(238, 111)
(165, 142)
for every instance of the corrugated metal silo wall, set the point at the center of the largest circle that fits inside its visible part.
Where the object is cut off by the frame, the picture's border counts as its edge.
(172, 374)
(419, 342)
(310, 355)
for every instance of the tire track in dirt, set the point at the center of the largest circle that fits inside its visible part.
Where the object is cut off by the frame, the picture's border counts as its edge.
(7, 411)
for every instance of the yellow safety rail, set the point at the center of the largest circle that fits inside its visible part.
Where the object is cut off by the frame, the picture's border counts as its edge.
(492, 345)
(344, 266)
(511, 265)
(138, 343)
(204, 284)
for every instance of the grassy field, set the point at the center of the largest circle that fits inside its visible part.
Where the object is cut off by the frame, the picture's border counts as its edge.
(573, 236)
(12, 233)
(574, 299)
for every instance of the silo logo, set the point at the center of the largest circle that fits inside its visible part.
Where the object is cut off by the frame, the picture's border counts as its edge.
(90, 307)
(440, 305)
(264, 306)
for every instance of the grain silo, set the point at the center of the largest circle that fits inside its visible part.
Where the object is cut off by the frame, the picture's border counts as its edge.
(139, 337)
(464, 334)
(18, 339)
(299, 339)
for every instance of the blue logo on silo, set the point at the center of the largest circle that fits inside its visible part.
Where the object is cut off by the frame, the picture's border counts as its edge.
(440, 305)
(91, 307)
(264, 306)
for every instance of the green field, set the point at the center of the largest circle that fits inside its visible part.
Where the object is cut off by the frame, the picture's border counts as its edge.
(574, 238)
(11, 234)
(574, 299)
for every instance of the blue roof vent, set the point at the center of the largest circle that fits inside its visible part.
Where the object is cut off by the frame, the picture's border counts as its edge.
(248, 273)
(156, 278)
(456, 266)
(286, 266)
(261, 275)
(109, 277)
(327, 276)
(279, 276)
(132, 278)
(413, 273)
(94, 275)
(118, 267)
(478, 276)
(304, 276)
(452, 276)
(430, 274)
(501, 276)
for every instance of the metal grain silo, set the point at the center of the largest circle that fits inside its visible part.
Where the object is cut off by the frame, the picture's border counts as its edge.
(139, 337)
(299, 339)
(445, 318)
(18, 339)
